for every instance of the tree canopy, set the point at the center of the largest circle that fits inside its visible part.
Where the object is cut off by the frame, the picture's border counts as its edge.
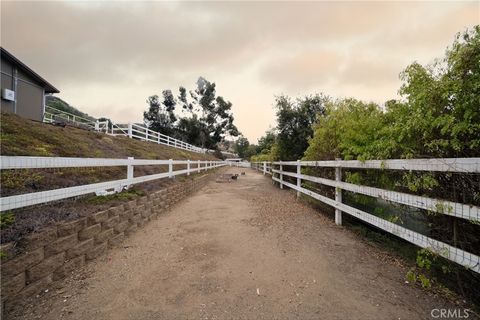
(438, 115)
(205, 119)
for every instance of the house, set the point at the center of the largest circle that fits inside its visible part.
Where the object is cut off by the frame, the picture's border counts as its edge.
(23, 90)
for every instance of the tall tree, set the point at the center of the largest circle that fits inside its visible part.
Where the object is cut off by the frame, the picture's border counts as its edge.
(207, 118)
(242, 146)
(214, 112)
(266, 142)
(160, 116)
(295, 124)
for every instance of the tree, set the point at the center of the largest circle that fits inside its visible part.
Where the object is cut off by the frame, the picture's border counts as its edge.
(241, 147)
(266, 142)
(349, 129)
(295, 121)
(160, 117)
(182, 98)
(191, 130)
(443, 99)
(215, 113)
(207, 119)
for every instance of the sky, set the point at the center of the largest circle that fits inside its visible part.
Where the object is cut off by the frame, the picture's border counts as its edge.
(107, 57)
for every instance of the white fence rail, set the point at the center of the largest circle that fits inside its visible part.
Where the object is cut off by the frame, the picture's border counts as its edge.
(141, 132)
(54, 115)
(240, 164)
(458, 210)
(103, 188)
(131, 130)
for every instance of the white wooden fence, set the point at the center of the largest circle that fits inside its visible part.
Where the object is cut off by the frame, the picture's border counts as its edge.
(102, 188)
(52, 115)
(141, 132)
(458, 210)
(131, 130)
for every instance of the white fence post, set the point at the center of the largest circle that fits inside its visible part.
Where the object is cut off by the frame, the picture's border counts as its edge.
(264, 167)
(299, 181)
(338, 195)
(97, 126)
(130, 170)
(129, 130)
(281, 177)
(198, 164)
(170, 168)
(188, 167)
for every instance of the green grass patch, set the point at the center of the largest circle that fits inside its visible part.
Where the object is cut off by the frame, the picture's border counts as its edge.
(121, 196)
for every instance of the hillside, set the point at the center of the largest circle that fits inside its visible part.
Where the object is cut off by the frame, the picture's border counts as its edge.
(57, 103)
(21, 137)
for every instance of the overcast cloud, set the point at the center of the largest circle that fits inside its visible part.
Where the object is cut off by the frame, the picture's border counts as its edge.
(106, 58)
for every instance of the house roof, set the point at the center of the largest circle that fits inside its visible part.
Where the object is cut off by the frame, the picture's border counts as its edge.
(10, 57)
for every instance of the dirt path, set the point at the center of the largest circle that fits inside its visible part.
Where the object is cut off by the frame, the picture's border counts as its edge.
(243, 250)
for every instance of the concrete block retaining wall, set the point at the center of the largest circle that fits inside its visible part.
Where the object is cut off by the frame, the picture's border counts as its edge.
(54, 253)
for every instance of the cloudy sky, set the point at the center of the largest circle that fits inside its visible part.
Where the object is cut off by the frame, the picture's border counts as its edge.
(108, 57)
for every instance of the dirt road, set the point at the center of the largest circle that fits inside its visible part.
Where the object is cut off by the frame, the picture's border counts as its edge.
(242, 250)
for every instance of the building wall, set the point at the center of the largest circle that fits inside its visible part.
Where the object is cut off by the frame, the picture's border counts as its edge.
(7, 83)
(29, 101)
(29, 95)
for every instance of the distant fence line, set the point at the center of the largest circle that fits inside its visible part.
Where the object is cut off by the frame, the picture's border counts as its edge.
(131, 130)
(459, 210)
(102, 188)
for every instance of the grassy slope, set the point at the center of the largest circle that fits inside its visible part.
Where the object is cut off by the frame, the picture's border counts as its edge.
(22, 137)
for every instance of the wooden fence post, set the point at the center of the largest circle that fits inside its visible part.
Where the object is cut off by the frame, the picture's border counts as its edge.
(129, 130)
(188, 167)
(130, 170)
(299, 181)
(281, 177)
(338, 194)
(170, 168)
